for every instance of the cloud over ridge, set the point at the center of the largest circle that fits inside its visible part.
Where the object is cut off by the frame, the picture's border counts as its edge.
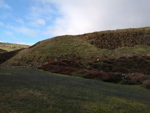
(80, 16)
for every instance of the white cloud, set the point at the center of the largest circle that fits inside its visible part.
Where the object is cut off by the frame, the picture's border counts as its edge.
(20, 42)
(24, 30)
(20, 21)
(3, 5)
(80, 16)
(9, 33)
(40, 10)
(5, 15)
(41, 22)
(1, 24)
(38, 22)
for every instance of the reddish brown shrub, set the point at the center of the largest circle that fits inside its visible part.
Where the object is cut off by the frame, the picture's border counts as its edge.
(111, 77)
(94, 74)
(146, 83)
(136, 78)
(58, 69)
(104, 76)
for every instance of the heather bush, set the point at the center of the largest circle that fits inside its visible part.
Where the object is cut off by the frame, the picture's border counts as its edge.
(94, 74)
(111, 77)
(136, 78)
(58, 69)
(104, 76)
(146, 83)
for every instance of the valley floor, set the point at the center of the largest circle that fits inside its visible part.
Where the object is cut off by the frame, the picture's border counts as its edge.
(29, 90)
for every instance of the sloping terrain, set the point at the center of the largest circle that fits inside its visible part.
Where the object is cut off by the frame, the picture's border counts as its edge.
(109, 52)
(53, 49)
(126, 42)
(12, 47)
(28, 90)
(2, 51)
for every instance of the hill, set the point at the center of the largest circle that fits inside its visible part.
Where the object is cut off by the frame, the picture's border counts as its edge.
(54, 49)
(98, 45)
(12, 47)
(93, 55)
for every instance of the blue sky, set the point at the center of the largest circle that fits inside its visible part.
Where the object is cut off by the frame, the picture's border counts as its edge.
(30, 21)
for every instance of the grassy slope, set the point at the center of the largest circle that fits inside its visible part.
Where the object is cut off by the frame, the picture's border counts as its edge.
(43, 53)
(66, 45)
(11, 47)
(127, 51)
(44, 92)
(55, 47)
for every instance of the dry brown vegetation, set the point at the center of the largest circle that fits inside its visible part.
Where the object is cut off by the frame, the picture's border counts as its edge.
(146, 83)
(126, 70)
(119, 38)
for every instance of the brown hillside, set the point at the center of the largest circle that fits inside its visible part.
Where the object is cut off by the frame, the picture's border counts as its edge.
(119, 38)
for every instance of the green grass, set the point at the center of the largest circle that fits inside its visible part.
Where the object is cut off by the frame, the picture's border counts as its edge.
(29, 90)
(12, 47)
(55, 47)
(128, 51)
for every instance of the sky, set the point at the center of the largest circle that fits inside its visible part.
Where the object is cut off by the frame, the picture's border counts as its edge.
(30, 21)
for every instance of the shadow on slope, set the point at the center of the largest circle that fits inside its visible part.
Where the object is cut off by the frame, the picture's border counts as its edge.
(2, 51)
(8, 55)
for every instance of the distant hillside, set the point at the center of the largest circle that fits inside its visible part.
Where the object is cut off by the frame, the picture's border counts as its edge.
(12, 47)
(2, 51)
(119, 38)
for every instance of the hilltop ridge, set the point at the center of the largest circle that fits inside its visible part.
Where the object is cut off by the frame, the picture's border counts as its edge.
(113, 39)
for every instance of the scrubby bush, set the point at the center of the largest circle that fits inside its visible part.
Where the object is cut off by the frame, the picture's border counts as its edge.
(94, 74)
(111, 77)
(104, 76)
(136, 78)
(146, 83)
(58, 69)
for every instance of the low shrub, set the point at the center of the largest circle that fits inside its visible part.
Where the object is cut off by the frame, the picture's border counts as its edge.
(136, 78)
(104, 76)
(58, 69)
(111, 77)
(94, 74)
(146, 83)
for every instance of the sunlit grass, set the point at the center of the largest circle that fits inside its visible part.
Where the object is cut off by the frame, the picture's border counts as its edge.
(12, 47)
